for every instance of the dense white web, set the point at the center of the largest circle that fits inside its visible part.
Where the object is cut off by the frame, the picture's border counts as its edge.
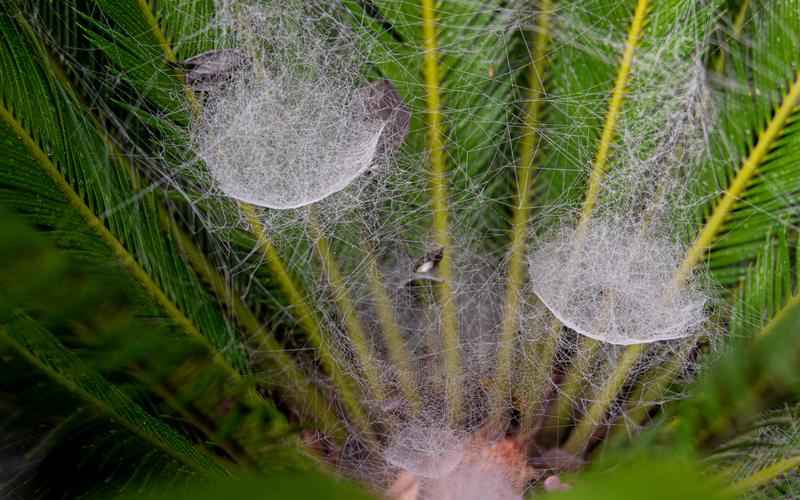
(614, 285)
(285, 142)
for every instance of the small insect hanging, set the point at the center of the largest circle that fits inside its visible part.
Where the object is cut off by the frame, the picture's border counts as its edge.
(428, 264)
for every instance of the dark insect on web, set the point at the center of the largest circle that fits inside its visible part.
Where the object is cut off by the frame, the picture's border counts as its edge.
(383, 103)
(211, 70)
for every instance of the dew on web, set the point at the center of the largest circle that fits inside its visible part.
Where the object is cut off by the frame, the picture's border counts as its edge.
(288, 118)
(474, 482)
(616, 286)
(284, 142)
(427, 452)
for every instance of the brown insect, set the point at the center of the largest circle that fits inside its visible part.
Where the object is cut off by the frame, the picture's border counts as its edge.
(211, 70)
(383, 102)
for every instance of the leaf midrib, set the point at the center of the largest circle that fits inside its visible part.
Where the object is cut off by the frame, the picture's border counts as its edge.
(439, 199)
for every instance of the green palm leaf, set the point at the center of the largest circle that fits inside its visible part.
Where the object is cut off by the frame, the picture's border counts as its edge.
(752, 165)
(393, 331)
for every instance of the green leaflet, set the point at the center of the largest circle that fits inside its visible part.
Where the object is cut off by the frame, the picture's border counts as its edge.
(43, 351)
(36, 101)
(52, 152)
(761, 68)
(281, 486)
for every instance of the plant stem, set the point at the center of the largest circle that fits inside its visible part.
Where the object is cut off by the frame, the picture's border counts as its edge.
(302, 311)
(573, 385)
(578, 439)
(614, 108)
(647, 390)
(535, 385)
(521, 211)
(450, 328)
(395, 344)
(763, 476)
(347, 310)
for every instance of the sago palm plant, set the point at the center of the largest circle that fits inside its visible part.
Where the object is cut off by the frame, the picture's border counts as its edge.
(437, 249)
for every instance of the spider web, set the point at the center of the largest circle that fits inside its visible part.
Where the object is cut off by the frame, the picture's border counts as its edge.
(289, 136)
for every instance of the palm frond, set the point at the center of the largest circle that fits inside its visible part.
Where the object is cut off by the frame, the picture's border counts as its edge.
(214, 335)
(108, 191)
(44, 352)
(749, 182)
(119, 39)
(101, 192)
(754, 172)
(88, 391)
(648, 26)
(759, 461)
